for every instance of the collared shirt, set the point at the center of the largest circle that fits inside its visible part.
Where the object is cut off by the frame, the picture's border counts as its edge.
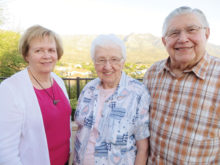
(124, 120)
(185, 114)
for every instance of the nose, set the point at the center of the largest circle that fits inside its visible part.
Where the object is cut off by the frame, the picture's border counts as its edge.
(183, 36)
(46, 54)
(107, 64)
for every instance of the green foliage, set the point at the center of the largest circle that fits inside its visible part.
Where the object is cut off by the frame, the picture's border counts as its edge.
(73, 103)
(10, 60)
(135, 70)
(90, 67)
(72, 89)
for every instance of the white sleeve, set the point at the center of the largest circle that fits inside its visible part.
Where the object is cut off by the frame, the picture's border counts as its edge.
(11, 118)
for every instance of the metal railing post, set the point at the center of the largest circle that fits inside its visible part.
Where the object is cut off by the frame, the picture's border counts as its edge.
(69, 90)
(78, 87)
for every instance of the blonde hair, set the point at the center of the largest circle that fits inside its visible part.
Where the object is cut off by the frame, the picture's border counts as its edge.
(40, 32)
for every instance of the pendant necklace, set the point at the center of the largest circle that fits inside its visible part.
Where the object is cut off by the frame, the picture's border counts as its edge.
(52, 97)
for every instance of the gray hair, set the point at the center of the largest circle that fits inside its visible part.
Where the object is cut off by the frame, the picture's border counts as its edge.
(106, 40)
(184, 10)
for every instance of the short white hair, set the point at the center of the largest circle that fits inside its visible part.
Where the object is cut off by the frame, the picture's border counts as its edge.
(106, 40)
(184, 10)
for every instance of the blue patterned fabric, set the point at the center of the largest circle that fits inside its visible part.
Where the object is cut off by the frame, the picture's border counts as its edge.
(124, 120)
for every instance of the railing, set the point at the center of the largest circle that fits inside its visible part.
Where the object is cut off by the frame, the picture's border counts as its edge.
(2, 78)
(77, 83)
(70, 82)
(74, 87)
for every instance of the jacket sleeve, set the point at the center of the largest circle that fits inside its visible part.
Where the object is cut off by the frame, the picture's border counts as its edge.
(11, 119)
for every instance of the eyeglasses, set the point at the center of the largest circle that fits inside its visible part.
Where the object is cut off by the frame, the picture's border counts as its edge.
(190, 30)
(112, 61)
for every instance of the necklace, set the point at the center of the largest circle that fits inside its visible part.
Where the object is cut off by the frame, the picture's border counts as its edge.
(52, 97)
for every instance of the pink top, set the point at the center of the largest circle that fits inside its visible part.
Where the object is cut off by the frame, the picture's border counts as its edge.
(56, 120)
(89, 154)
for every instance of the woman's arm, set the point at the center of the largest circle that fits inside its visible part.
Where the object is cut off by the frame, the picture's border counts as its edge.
(142, 152)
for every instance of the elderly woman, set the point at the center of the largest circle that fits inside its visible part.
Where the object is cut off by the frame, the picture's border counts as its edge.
(112, 113)
(35, 111)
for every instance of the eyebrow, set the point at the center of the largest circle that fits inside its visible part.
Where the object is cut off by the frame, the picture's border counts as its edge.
(186, 27)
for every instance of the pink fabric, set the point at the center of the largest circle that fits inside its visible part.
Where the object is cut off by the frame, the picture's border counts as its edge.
(89, 154)
(56, 120)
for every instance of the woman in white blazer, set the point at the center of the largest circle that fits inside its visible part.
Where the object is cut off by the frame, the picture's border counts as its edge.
(34, 106)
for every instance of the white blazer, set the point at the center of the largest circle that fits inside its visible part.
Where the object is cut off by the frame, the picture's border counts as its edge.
(22, 135)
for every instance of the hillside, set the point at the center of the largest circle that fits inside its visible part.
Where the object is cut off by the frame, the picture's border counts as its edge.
(141, 49)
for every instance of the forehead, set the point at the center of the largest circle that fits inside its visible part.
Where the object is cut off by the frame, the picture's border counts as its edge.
(41, 42)
(108, 51)
(184, 20)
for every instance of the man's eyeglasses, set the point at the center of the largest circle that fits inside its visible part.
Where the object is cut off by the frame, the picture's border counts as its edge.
(112, 61)
(190, 30)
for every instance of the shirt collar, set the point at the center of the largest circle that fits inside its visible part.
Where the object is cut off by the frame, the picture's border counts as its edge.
(199, 69)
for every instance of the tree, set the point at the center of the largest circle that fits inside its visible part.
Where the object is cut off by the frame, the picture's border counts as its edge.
(10, 60)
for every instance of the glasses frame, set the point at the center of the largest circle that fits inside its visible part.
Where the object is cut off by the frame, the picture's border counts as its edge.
(189, 30)
(111, 61)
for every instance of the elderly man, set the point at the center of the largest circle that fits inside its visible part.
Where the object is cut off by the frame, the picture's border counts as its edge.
(185, 91)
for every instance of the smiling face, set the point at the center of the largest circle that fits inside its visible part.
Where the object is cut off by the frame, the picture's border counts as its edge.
(108, 65)
(42, 55)
(185, 40)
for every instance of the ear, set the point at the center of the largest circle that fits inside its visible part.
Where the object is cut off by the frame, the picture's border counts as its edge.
(123, 63)
(164, 41)
(27, 58)
(207, 33)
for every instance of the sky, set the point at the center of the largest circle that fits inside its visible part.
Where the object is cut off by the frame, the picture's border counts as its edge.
(70, 17)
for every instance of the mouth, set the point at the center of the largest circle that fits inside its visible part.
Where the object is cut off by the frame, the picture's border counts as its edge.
(183, 48)
(107, 73)
(46, 63)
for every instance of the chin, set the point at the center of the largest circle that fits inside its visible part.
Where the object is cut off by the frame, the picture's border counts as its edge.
(185, 59)
(108, 81)
(47, 70)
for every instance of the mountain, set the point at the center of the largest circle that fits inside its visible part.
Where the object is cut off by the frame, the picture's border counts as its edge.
(141, 48)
